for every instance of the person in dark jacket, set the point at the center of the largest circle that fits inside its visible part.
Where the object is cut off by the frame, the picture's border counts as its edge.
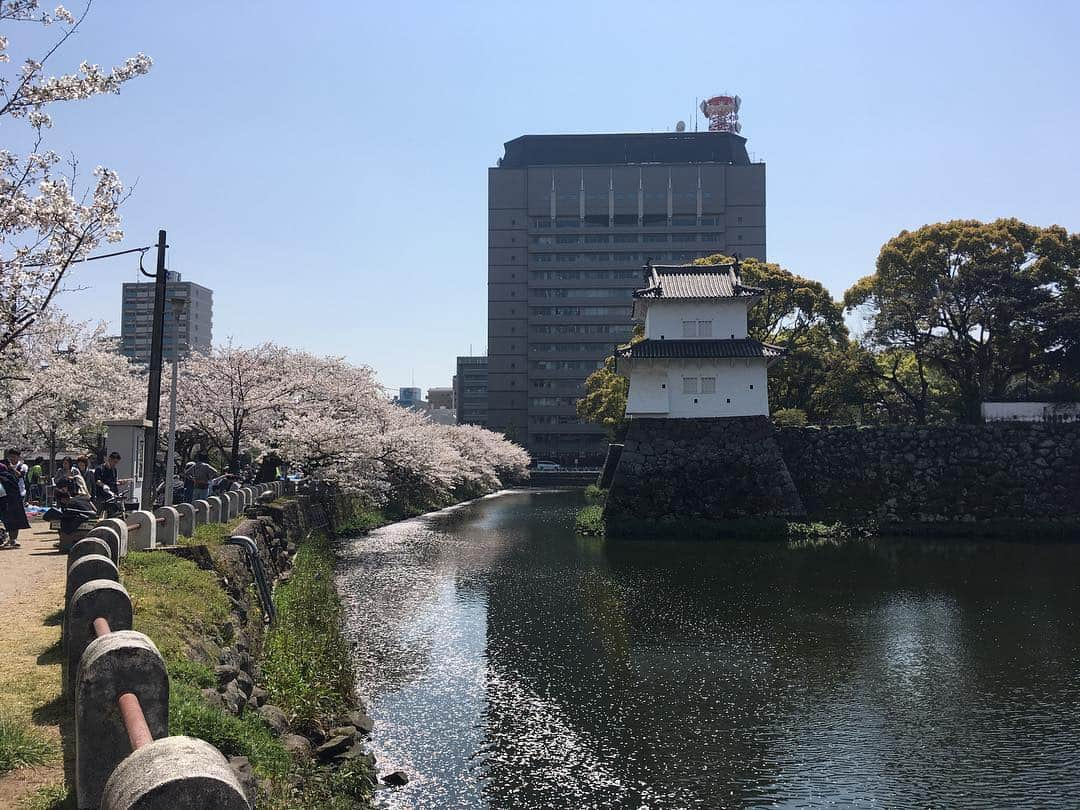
(13, 510)
(105, 477)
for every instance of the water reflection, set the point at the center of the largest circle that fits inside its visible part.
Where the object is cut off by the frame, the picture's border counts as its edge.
(509, 664)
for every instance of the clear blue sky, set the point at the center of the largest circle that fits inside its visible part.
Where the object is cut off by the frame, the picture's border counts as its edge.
(322, 166)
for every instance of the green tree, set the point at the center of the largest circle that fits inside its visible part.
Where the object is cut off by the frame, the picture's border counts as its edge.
(977, 303)
(799, 315)
(606, 390)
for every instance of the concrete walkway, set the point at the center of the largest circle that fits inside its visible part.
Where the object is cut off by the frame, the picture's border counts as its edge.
(31, 596)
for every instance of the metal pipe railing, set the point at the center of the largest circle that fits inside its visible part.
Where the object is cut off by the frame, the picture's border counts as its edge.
(131, 712)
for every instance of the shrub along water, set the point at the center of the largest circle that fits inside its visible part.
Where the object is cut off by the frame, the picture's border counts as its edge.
(307, 666)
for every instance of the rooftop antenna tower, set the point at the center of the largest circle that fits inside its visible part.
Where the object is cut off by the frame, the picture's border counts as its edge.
(723, 113)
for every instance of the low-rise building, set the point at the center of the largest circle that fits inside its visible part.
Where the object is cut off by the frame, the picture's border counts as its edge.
(441, 397)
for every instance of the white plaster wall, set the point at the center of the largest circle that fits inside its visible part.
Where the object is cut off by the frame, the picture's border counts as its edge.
(649, 393)
(665, 318)
(734, 379)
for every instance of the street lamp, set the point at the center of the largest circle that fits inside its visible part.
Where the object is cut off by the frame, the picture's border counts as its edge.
(178, 307)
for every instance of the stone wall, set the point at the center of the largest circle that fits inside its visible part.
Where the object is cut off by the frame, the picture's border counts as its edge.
(941, 475)
(674, 471)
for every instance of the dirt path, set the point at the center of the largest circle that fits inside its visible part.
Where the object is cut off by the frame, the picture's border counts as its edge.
(31, 597)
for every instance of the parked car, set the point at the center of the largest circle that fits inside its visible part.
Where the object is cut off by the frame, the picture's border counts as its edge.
(548, 466)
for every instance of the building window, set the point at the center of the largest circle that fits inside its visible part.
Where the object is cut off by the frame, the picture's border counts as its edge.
(704, 328)
(689, 329)
(566, 222)
(708, 385)
(689, 385)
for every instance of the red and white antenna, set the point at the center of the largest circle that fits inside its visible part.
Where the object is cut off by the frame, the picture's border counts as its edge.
(723, 113)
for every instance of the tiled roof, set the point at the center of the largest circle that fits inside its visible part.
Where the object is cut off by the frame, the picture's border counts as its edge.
(688, 349)
(694, 281)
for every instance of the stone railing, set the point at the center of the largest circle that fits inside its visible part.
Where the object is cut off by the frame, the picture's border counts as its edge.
(116, 680)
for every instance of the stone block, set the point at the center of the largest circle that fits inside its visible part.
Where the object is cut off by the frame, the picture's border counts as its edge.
(98, 598)
(144, 536)
(175, 773)
(119, 526)
(87, 546)
(217, 509)
(111, 666)
(85, 569)
(168, 532)
(232, 505)
(202, 512)
(186, 513)
(109, 535)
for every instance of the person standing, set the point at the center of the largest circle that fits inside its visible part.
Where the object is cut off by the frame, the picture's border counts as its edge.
(13, 511)
(201, 476)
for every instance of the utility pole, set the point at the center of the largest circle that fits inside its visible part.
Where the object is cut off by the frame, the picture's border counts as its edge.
(153, 392)
(178, 306)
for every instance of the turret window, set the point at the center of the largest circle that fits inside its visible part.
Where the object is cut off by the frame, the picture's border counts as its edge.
(708, 385)
(696, 329)
(689, 385)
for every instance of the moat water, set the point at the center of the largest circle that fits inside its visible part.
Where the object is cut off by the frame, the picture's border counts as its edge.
(510, 664)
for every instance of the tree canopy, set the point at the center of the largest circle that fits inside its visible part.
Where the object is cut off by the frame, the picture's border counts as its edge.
(981, 306)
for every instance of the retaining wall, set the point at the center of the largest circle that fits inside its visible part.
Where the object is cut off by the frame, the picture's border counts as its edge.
(676, 470)
(940, 475)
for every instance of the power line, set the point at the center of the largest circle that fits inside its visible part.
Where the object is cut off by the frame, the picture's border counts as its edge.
(94, 258)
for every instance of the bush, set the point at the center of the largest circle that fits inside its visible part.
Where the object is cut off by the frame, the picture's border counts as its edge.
(595, 493)
(590, 521)
(21, 746)
(790, 417)
(308, 668)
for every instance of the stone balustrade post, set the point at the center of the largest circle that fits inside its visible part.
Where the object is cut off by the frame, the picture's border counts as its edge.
(202, 512)
(174, 773)
(112, 665)
(98, 598)
(120, 527)
(186, 513)
(217, 509)
(232, 506)
(168, 532)
(110, 536)
(85, 569)
(142, 538)
(87, 546)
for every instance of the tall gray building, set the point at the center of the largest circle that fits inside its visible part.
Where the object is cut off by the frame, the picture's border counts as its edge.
(137, 319)
(572, 219)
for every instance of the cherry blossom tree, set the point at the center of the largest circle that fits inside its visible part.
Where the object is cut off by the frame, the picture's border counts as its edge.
(60, 381)
(332, 418)
(49, 220)
(235, 396)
